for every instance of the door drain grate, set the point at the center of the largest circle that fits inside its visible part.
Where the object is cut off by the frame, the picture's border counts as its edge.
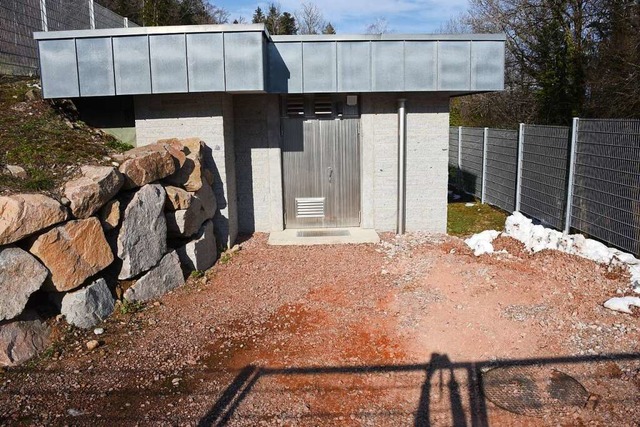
(323, 233)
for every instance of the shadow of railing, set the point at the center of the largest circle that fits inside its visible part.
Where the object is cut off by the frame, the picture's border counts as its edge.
(223, 410)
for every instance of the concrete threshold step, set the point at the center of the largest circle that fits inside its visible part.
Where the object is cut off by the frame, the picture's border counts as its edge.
(323, 236)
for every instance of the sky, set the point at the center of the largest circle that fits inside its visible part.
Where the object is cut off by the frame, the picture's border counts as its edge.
(353, 16)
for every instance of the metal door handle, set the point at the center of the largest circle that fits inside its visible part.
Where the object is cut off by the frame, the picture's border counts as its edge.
(330, 170)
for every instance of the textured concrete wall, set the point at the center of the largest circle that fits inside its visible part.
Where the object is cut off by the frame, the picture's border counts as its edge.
(426, 168)
(258, 163)
(206, 116)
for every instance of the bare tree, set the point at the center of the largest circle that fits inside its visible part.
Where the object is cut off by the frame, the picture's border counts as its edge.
(310, 19)
(379, 26)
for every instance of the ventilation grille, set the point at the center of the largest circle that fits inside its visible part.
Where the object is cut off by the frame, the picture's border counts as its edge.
(310, 207)
(323, 105)
(295, 106)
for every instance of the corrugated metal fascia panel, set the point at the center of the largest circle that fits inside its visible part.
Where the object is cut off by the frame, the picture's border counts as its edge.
(146, 62)
(136, 31)
(437, 64)
(389, 37)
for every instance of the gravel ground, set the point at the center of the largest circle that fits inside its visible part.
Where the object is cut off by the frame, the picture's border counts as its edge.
(397, 333)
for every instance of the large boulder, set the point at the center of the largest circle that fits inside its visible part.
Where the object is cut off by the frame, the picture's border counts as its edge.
(200, 253)
(191, 147)
(24, 214)
(22, 338)
(20, 276)
(150, 163)
(73, 252)
(88, 306)
(142, 239)
(96, 186)
(167, 275)
(190, 175)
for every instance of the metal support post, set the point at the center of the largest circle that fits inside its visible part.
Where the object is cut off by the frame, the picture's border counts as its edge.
(402, 153)
(92, 15)
(519, 177)
(485, 141)
(572, 163)
(43, 15)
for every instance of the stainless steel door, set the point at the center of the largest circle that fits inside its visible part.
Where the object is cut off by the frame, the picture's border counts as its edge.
(321, 172)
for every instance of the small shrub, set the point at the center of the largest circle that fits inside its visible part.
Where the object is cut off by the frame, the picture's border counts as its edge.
(196, 274)
(129, 307)
(225, 258)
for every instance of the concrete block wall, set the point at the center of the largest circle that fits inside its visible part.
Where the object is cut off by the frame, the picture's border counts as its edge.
(427, 162)
(258, 163)
(207, 116)
(426, 168)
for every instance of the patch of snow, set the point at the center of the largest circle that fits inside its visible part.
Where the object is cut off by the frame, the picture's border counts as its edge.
(469, 205)
(622, 304)
(536, 238)
(481, 242)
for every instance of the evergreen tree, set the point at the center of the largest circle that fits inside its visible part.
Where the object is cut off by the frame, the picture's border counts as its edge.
(288, 24)
(273, 19)
(258, 16)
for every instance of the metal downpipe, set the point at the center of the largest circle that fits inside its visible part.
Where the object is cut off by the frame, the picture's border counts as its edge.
(402, 161)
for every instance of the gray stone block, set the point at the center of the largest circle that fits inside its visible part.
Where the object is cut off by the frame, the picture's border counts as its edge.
(166, 276)
(88, 306)
(20, 276)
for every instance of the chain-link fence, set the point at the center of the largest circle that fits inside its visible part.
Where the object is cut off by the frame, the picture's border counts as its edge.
(19, 19)
(596, 191)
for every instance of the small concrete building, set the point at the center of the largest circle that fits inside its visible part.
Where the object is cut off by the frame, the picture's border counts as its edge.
(304, 132)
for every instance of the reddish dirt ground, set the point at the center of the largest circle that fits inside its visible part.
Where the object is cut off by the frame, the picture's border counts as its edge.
(399, 333)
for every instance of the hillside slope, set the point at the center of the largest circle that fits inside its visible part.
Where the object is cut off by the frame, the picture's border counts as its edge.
(45, 138)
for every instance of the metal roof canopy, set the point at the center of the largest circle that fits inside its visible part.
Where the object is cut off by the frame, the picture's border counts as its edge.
(245, 58)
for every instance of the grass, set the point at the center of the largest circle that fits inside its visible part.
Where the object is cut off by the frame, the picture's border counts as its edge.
(119, 146)
(464, 221)
(36, 135)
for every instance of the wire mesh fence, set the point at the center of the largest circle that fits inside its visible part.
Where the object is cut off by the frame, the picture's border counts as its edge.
(453, 147)
(19, 19)
(543, 192)
(502, 168)
(606, 183)
(105, 18)
(471, 159)
(529, 170)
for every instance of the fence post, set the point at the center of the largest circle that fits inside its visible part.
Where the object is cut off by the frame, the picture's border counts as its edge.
(485, 141)
(125, 22)
(459, 174)
(572, 161)
(43, 15)
(519, 172)
(92, 15)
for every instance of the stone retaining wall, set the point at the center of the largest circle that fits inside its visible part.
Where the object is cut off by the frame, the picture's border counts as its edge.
(147, 220)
